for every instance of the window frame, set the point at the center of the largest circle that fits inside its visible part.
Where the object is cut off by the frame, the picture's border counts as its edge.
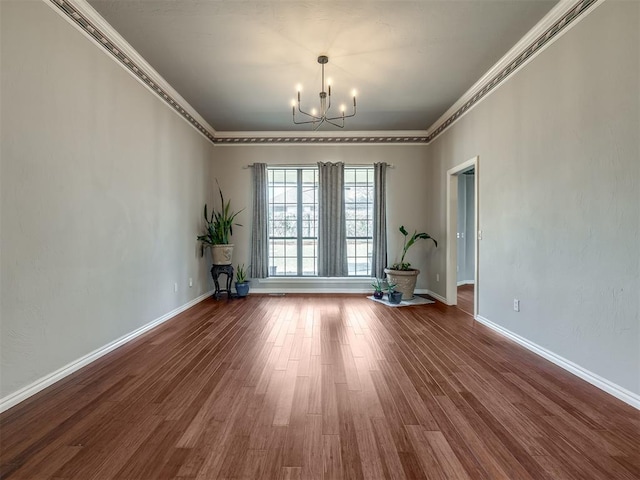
(300, 237)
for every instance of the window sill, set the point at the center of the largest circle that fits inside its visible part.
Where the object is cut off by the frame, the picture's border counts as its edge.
(314, 280)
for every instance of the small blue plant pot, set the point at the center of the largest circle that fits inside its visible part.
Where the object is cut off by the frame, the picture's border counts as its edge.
(395, 297)
(242, 289)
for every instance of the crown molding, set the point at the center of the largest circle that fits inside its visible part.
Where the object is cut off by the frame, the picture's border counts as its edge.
(91, 24)
(556, 23)
(394, 137)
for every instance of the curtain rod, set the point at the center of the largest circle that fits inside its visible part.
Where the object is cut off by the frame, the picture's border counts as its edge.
(313, 165)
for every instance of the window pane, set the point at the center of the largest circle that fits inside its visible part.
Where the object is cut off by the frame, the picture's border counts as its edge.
(309, 176)
(309, 248)
(291, 248)
(291, 266)
(359, 215)
(309, 266)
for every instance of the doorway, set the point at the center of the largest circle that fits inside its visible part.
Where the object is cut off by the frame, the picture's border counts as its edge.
(463, 235)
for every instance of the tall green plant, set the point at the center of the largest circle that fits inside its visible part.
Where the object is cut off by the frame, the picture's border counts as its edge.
(219, 226)
(402, 265)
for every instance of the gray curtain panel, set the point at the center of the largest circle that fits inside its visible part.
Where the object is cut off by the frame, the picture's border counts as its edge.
(379, 255)
(332, 230)
(259, 234)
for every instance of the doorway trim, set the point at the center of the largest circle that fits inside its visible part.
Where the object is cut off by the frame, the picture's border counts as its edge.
(452, 228)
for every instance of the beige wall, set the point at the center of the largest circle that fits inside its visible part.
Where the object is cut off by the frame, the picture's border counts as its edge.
(406, 192)
(102, 187)
(559, 197)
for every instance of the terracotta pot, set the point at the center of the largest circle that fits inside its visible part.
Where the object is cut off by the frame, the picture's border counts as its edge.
(405, 281)
(222, 254)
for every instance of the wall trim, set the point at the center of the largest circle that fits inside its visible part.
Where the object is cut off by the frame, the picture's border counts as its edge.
(438, 297)
(557, 22)
(466, 282)
(393, 137)
(311, 290)
(289, 290)
(88, 21)
(25, 392)
(611, 388)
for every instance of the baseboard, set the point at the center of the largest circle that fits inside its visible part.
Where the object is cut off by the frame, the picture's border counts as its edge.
(346, 291)
(611, 388)
(440, 298)
(466, 282)
(42, 383)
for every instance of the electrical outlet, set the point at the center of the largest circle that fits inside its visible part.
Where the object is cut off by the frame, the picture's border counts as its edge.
(479, 234)
(190, 282)
(437, 277)
(175, 287)
(516, 305)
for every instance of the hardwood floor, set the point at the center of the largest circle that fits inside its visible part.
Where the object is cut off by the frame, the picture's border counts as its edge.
(465, 298)
(310, 387)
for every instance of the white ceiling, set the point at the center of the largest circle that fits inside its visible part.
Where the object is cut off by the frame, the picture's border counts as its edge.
(238, 62)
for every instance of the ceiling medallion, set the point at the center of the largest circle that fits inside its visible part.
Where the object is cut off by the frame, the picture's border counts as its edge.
(318, 117)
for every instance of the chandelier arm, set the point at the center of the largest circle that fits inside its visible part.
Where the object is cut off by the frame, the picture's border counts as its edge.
(307, 114)
(344, 116)
(318, 126)
(328, 120)
(306, 121)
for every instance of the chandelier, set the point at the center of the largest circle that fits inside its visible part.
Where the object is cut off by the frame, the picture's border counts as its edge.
(318, 117)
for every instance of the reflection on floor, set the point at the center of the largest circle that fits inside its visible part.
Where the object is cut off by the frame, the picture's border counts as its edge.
(465, 298)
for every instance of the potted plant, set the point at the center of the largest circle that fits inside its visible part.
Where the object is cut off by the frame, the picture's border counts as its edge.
(219, 228)
(242, 284)
(378, 287)
(395, 297)
(401, 273)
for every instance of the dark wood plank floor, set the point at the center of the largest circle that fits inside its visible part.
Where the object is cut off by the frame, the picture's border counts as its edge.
(465, 298)
(317, 387)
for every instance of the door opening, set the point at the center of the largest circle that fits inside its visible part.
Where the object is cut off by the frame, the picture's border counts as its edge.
(462, 236)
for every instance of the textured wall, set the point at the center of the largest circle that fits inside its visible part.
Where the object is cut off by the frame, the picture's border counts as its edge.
(102, 188)
(406, 194)
(559, 197)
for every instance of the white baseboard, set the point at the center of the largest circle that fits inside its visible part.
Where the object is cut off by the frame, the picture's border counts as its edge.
(466, 282)
(611, 388)
(440, 298)
(16, 397)
(346, 291)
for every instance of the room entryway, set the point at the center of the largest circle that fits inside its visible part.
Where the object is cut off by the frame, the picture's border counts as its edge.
(462, 234)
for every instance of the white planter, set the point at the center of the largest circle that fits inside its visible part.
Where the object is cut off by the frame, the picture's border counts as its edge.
(405, 281)
(222, 254)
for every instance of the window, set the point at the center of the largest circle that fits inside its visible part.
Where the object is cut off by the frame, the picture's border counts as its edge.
(358, 203)
(293, 220)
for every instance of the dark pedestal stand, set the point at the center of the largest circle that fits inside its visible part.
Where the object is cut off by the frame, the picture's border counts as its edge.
(216, 270)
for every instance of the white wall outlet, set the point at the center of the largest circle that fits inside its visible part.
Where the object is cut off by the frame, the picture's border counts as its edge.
(190, 282)
(516, 305)
(437, 277)
(479, 234)
(175, 287)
